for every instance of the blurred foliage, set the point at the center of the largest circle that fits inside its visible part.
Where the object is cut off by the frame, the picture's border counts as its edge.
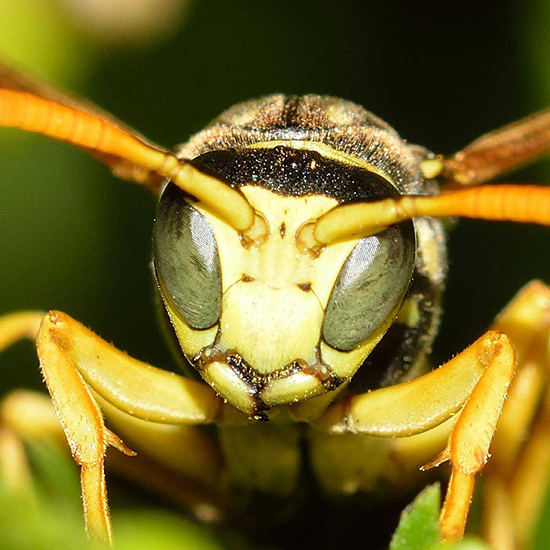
(38, 35)
(51, 517)
(75, 239)
(128, 23)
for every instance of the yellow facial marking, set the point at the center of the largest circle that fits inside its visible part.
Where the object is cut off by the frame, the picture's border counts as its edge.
(268, 317)
(345, 364)
(191, 340)
(293, 388)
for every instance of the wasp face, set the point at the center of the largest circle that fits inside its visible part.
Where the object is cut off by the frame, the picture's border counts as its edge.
(270, 324)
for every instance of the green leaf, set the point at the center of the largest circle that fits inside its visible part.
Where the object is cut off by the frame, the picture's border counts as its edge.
(466, 544)
(418, 527)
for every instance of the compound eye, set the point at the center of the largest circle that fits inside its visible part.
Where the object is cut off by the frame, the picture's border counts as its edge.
(369, 287)
(187, 263)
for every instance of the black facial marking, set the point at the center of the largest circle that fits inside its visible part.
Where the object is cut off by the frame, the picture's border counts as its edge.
(295, 172)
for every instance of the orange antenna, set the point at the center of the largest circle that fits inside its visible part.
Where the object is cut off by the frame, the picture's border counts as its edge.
(36, 108)
(489, 156)
(517, 203)
(35, 114)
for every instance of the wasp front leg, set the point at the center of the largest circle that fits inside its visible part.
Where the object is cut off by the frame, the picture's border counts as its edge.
(81, 370)
(474, 382)
(517, 475)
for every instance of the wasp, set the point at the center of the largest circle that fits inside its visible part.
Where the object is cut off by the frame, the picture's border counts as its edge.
(300, 257)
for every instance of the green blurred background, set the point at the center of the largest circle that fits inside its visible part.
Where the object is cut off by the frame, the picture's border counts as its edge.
(74, 238)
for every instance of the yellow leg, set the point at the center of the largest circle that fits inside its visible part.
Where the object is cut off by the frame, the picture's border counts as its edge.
(25, 416)
(16, 326)
(79, 369)
(474, 383)
(176, 461)
(82, 423)
(528, 487)
(518, 474)
(471, 436)
(14, 469)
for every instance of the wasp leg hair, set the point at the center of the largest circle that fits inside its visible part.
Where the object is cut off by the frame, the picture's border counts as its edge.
(475, 381)
(79, 369)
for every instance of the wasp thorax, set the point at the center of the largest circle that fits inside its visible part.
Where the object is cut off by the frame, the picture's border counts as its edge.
(270, 325)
